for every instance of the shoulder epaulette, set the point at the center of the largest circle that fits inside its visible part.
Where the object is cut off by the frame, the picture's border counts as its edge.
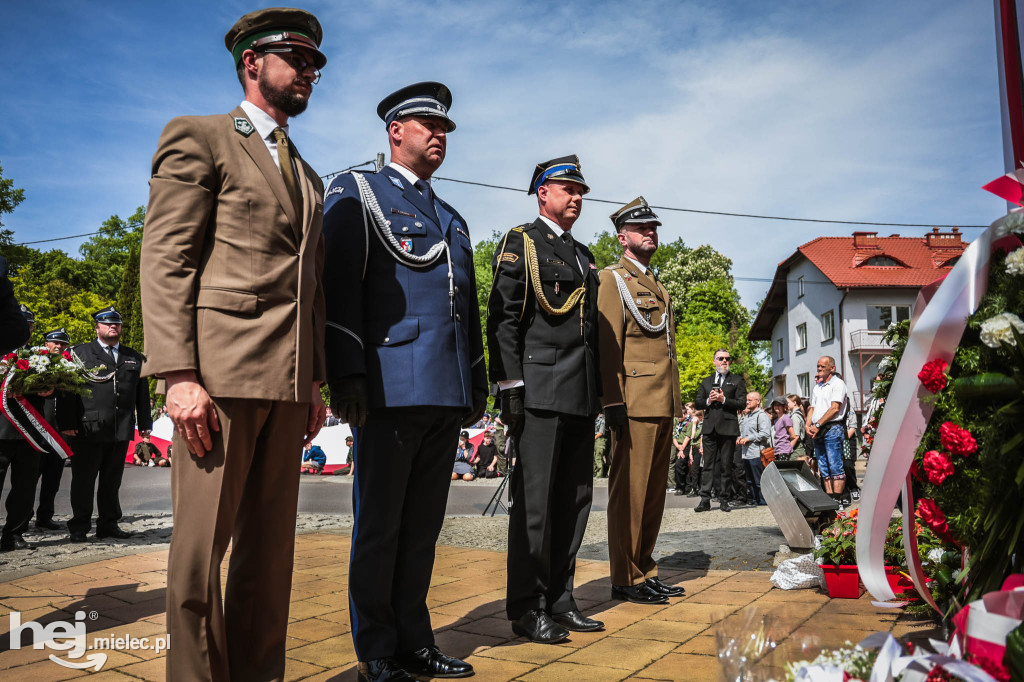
(613, 266)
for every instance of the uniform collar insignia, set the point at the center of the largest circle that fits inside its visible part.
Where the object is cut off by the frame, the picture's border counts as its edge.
(243, 126)
(396, 182)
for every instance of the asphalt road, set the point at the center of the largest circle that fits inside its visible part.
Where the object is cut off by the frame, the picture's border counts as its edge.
(149, 490)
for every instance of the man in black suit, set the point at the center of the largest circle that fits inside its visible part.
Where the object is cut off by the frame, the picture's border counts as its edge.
(542, 335)
(119, 400)
(51, 465)
(721, 396)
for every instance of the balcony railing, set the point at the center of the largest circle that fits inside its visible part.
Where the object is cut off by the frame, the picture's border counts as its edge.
(869, 340)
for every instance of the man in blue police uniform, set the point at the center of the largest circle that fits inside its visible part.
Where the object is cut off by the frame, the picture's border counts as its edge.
(542, 334)
(406, 371)
(51, 465)
(108, 417)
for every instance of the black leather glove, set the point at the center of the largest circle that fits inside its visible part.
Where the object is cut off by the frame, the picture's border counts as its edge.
(479, 405)
(349, 399)
(615, 418)
(513, 414)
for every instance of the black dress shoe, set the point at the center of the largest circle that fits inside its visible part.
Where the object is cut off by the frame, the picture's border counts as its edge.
(703, 507)
(577, 622)
(383, 670)
(679, 492)
(537, 626)
(430, 662)
(725, 507)
(12, 542)
(658, 586)
(113, 532)
(47, 524)
(638, 594)
(78, 536)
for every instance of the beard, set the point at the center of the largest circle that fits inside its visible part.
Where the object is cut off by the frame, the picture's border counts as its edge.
(290, 104)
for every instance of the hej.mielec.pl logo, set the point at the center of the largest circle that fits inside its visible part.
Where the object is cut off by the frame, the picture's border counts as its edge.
(71, 635)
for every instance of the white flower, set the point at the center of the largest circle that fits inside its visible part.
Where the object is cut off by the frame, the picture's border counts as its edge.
(39, 363)
(997, 328)
(67, 364)
(1015, 263)
(935, 554)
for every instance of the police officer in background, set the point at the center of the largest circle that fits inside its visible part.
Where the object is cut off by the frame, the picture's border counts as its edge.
(51, 465)
(108, 417)
(23, 461)
(542, 335)
(406, 370)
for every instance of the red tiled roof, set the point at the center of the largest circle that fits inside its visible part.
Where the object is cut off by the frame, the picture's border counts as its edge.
(843, 263)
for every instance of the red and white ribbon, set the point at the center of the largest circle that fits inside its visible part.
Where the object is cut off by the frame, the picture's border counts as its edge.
(30, 424)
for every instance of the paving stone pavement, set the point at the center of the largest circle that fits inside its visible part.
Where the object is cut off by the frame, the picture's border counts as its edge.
(124, 597)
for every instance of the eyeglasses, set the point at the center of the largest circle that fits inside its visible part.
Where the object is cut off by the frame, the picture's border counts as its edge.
(295, 60)
(724, 359)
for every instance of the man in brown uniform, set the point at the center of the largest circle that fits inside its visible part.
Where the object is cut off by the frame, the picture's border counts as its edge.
(232, 260)
(640, 382)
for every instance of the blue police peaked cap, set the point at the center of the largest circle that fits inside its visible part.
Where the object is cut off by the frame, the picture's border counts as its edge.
(429, 98)
(27, 314)
(565, 168)
(108, 315)
(60, 335)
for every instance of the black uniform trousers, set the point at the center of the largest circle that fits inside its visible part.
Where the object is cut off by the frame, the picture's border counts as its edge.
(718, 450)
(23, 461)
(552, 487)
(94, 460)
(693, 472)
(681, 468)
(734, 472)
(404, 460)
(51, 468)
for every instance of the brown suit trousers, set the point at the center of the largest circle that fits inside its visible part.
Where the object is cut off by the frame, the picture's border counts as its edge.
(253, 470)
(636, 498)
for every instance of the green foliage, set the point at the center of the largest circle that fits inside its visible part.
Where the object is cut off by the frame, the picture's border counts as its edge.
(110, 250)
(9, 197)
(606, 249)
(129, 303)
(695, 347)
(58, 304)
(839, 541)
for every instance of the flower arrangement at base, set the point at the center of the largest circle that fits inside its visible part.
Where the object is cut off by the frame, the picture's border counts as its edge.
(38, 370)
(969, 467)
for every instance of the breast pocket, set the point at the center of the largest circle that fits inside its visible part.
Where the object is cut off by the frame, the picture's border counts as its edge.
(557, 279)
(405, 226)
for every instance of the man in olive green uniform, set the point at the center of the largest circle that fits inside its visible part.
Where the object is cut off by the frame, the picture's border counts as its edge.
(640, 395)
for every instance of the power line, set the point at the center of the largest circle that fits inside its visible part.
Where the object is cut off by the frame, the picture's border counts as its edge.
(605, 201)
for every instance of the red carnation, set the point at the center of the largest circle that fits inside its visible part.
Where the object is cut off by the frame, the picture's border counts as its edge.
(9, 357)
(44, 351)
(933, 375)
(938, 466)
(21, 364)
(933, 517)
(957, 440)
(67, 355)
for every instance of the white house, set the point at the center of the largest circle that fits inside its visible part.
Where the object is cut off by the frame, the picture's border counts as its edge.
(837, 296)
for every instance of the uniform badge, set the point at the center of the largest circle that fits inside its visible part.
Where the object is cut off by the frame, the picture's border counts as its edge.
(508, 258)
(337, 189)
(462, 231)
(556, 288)
(396, 182)
(643, 293)
(243, 126)
(651, 301)
(639, 301)
(406, 245)
(551, 236)
(407, 215)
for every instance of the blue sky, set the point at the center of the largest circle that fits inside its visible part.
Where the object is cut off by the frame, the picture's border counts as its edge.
(874, 111)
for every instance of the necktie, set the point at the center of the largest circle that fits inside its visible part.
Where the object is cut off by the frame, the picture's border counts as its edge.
(284, 155)
(423, 187)
(718, 379)
(110, 352)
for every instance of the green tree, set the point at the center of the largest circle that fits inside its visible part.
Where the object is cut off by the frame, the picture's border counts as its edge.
(129, 303)
(9, 196)
(58, 304)
(9, 199)
(606, 249)
(110, 248)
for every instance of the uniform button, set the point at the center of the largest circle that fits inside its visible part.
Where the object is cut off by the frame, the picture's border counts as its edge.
(458, 317)
(634, 372)
(405, 228)
(418, 224)
(388, 223)
(456, 290)
(387, 339)
(529, 357)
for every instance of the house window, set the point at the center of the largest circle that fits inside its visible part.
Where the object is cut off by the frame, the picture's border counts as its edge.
(882, 261)
(801, 336)
(828, 326)
(805, 384)
(800, 286)
(880, 317)
(778, 350)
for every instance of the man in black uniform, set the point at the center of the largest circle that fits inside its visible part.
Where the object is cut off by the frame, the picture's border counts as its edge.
(51, 465)
(23, 461)
(119, 399)
(721, 396)
(542, 334)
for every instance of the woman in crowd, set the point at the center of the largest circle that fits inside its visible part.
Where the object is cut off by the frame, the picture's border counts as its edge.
(464, 459)
(755, 433)
(693, 448)
(786, 437)
(850, 449)
(797, 412)
(680, 464)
